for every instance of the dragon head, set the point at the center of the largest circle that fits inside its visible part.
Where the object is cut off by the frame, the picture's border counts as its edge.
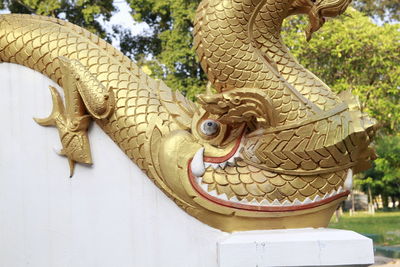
(317, 11)
(237, 170)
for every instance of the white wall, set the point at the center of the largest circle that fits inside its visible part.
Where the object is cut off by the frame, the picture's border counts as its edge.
(109, 215)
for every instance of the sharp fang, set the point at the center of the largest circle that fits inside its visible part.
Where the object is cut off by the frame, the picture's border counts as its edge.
(325, 196)
(332, 193)
(244, 201)
(204, 187)
(297, 202)
(317, 198)
(198, 180)
(307, 200)
(287, 203)
(234, 199)
(206, 165)
(265, 202)
(340, 190)
(197, 165)
(213, 193)
(348, 184)
(223, 196)
(223, 164)
(276, 203)
(255, 202)
(215, 166)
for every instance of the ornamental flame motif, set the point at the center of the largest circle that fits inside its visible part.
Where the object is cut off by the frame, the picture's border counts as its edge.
(274, 148)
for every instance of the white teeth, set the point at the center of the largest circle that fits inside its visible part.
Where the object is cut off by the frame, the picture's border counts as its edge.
(244, 201)
(348, 184)
(223, 196)
(276, 203)
(297, 202)
(340, 190)
(213, 193)
(204, 187)
(198, 180)
(217, 165)
(234, 199)
(223, 165)
(255, 202)
(317, 198)
(197, 164)
(265, 203)
(231, 161)
(212, 165)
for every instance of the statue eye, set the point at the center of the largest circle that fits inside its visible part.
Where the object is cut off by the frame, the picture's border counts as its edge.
(209, 127)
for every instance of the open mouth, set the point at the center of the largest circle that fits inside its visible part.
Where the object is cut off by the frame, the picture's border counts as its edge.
(199, 164)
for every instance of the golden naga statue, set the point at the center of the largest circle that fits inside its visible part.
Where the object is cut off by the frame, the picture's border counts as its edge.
(274, 148)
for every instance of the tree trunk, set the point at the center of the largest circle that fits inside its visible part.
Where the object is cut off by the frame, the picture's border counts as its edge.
(385, 201)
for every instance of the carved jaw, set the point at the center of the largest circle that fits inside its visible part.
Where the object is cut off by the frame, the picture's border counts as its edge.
(200, 164)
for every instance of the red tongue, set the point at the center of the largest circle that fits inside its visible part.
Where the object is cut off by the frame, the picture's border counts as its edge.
(226, 157)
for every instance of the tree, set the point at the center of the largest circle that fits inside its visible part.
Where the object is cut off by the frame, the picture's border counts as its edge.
(385, 10)
(169, 44)
(352, 52)
(81, 12)
(384, 178)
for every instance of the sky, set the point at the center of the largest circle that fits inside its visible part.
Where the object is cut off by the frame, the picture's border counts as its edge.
(121, 17)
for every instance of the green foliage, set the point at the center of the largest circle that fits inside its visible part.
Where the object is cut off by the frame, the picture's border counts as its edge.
(351, 52)
(385, 10)
(388, 149)
(169, 43)
(383, 224)
(384, 178)
(80, 12)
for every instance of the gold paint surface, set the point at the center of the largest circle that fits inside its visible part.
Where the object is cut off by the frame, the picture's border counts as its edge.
(272, 149)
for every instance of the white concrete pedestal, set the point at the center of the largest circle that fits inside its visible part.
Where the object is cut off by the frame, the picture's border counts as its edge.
(296, 247)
